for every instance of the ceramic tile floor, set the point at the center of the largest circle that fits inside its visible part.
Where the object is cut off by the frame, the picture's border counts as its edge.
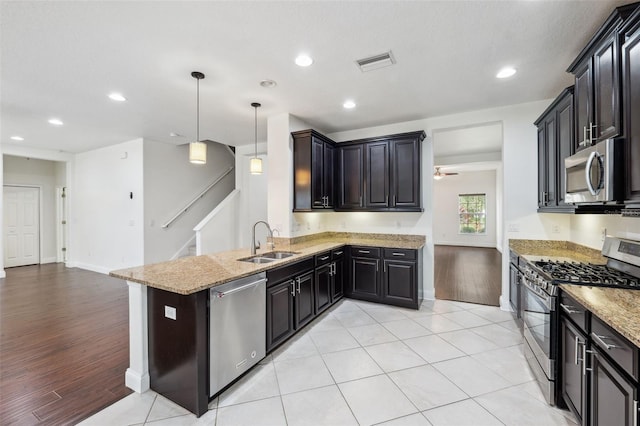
(448, 363)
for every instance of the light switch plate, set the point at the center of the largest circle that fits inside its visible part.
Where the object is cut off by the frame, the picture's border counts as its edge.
(170, 312)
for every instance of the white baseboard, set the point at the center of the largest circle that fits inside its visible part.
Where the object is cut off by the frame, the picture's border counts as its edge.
(3, 274)
(465, 244)
(134, 380)
(505, 305)
(49, 260)
(89, 267)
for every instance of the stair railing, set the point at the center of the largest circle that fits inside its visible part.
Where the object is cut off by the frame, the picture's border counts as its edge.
(199, 196)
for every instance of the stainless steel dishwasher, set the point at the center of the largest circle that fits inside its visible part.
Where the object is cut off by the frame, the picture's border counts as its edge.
(237, 332)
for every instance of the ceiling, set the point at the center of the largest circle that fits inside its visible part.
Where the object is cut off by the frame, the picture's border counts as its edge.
(61, 59)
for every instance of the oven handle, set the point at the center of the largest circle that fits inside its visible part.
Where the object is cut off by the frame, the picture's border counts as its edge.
(547, 301)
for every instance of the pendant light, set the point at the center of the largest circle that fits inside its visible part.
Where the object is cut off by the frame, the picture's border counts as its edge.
(197, 149)
(255, 166)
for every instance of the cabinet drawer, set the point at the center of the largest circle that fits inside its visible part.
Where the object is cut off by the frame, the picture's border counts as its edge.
(618, 348)
(400, 254)
(573, 310)
(338, 253)
(373, 252)
(275, 276)
(322, 258)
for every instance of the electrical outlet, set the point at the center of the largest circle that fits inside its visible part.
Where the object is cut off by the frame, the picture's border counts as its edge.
(555, 229)
(514, 227)
(603, 233)
(170, 312)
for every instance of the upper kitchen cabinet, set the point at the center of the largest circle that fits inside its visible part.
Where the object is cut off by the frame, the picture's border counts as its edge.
(313, 175)
(390, 176)
(597, 70)
(631, 103)
(555, 143)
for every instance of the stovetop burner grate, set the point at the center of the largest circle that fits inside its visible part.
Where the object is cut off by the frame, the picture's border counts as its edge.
(587, 274)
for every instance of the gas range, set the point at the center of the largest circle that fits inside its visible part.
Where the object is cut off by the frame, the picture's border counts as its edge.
(621, 271)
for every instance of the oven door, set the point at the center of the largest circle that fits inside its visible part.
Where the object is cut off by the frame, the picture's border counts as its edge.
(538, 313)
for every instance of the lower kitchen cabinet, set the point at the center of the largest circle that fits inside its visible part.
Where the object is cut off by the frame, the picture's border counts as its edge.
(399, 283)
(280, 309)
(323, 286)
(599, 369)
(305, 307)
(613, 397)
(338, 277)
(365, 276)
(574, 378)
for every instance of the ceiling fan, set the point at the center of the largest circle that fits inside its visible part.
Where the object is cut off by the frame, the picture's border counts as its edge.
(439, 175)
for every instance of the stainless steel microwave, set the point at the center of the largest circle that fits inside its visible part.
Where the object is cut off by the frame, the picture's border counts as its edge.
(595, 175)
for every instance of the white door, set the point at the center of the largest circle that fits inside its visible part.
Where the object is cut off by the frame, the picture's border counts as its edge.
(21, 226)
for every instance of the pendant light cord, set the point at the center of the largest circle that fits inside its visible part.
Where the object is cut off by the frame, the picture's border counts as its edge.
(255, 109)
(197, 110)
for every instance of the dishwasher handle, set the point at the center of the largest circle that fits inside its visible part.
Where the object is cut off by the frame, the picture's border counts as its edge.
(221, 294)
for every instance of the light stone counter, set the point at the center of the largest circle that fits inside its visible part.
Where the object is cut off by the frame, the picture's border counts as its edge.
(617, 307)
(192, 274)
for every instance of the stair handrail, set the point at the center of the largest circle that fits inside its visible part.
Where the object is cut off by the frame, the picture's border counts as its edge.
(199, 196)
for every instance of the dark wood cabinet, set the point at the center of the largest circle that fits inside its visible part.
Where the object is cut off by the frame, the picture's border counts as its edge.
(613, 397)
(631, 97)
(365, 278)
(405, 172)
(555, 143)
(313, 171)
(304, 299)
(338, 280)
(323, 286)
(280, 310)
(399, 283)
(350, 177)
(574, 378)
(597, 71)
(377, 175)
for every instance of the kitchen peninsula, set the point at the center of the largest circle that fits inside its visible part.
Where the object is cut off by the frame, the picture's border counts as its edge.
(169, 329)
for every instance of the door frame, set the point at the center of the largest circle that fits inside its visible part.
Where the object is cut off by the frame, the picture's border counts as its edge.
(40, 214)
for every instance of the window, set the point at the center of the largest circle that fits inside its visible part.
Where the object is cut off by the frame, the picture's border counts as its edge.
(472, 213)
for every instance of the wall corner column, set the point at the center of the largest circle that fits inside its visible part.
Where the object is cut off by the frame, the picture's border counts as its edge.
(137, 375)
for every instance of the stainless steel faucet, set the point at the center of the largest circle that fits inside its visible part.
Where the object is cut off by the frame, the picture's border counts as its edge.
(255, 246)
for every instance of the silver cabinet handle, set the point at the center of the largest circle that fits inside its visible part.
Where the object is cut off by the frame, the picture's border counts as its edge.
(635, 412)
(377, 266)
(324, 257)
(568, 309)
(601, 342)
(293, 288)
(386, 200)
(298, 284)
(397, 254)
(338, 253)
(364, 251)
(584, 359)
(575, 358)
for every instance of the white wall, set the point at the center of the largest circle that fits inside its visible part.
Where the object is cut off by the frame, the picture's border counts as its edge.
(170, 183)
(45, 175)
(253, 193)
(586, 229)
(445, 208)
(106, 225)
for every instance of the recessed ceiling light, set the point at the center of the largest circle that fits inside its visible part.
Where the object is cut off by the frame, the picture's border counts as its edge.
(268, 84)
(506, 72)
(304, 60)
(56, 122)
(349, 104)
(17, 138)
(117, 97)
(176, 135)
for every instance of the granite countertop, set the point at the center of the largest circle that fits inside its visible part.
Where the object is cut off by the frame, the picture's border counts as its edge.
(192, 274)
(619, 308)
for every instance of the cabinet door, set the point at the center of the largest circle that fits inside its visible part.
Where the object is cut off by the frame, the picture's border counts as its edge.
(317, 173)
(551, 158)
(350, 176)
(405, 173)
(377, 175)
(399, 283)
(323, 287)
(338, 280)
(279, 313)
(304, 300)
(631, 96)
(582, 100)
(574, 382)
(612, 396)
(365, 278)
(542, 166)
(565, 144)
(606, 88)
(328, 177)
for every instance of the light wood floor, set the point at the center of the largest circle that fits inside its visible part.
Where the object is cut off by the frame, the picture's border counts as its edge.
(468, 274)
(64, 344)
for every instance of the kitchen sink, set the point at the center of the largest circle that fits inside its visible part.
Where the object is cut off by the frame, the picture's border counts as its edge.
(277, 254)
(257, 259)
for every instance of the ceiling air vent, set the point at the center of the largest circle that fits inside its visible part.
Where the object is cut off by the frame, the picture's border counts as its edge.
(375, 62)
